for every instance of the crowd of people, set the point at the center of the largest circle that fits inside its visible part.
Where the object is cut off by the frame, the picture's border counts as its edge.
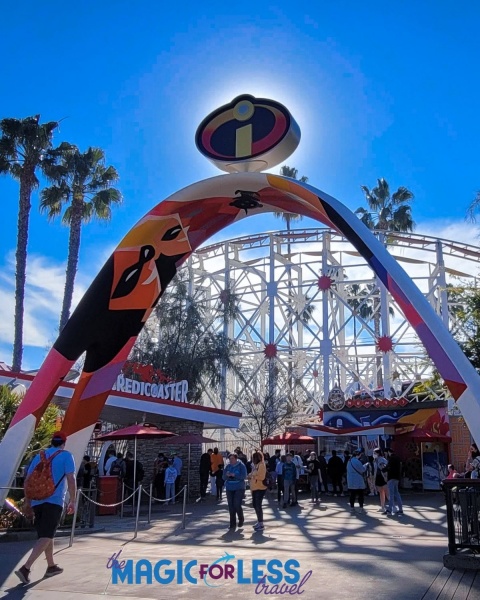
(377, 475)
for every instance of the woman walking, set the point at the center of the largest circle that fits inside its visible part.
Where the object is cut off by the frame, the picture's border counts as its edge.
(379, 466)
(234, 476)
(257, 487)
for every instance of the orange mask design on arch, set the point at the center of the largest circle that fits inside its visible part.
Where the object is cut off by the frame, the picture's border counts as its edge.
(136, 281)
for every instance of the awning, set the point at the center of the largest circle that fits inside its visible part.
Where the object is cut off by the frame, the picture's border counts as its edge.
(324, 431)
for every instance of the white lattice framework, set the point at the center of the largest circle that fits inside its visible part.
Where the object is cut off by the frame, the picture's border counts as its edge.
(323, 338)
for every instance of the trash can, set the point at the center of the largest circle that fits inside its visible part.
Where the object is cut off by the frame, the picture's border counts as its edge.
(107, 494)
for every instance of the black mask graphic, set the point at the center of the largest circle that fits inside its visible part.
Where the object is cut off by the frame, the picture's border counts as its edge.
(131, 275)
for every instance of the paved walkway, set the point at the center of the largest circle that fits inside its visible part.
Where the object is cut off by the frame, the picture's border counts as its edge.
(351, 557)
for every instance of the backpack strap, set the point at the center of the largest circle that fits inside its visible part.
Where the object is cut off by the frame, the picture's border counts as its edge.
(50, 459)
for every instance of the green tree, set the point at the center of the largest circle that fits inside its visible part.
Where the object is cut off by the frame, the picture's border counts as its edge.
(385, 212)
(291, 172)
(23, 145)
(9, 403)
(358, 298)
(474, 208)
(83, 182)
(464, 308)
(180, 340)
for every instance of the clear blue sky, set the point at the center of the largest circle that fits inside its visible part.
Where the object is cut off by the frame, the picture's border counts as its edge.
(378, 91)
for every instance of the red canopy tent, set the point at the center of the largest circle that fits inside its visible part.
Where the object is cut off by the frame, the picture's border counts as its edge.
(288, 439)
(421, 435)
(145, 431)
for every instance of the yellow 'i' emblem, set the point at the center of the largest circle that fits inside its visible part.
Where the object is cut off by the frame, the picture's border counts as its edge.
(243, 136)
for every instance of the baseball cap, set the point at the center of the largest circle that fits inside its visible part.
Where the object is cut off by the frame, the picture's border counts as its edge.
(59, 435)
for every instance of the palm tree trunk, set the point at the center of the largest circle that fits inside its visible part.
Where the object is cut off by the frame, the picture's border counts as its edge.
(72, 261)
(26, 186)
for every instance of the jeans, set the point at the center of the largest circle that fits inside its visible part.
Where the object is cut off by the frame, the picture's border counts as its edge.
(360, 493)
(234, 499)
(314, 489)
(394, 495)
(324, 482)
(257, 498)
(170, 493)
(289, 491)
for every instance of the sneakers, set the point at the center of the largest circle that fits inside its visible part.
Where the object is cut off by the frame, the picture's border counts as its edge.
(55, 570)
(259, 527)
(400, 513)
(23, 574)
(240, 522)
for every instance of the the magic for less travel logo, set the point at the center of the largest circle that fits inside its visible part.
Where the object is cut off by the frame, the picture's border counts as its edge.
(269, 577)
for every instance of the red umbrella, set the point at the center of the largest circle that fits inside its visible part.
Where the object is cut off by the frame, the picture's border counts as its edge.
(290, 438)
(144, 431)
(132, 432)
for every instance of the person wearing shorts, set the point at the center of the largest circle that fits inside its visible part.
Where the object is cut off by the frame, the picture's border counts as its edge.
(47, 512)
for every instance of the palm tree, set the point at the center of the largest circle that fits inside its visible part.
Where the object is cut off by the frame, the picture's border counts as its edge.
(23, 144)
(291, 172)
(83, 180)
(358, 300)
(386, 212)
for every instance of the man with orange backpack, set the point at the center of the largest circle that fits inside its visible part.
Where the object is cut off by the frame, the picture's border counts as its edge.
(49, 475)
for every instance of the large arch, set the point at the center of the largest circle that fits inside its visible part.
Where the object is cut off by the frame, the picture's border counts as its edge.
(114, 309)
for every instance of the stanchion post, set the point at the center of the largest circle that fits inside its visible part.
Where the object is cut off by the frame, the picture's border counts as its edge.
(138, 509)
(150, 504)
(184, 511)
(123, 496)
(74, 522)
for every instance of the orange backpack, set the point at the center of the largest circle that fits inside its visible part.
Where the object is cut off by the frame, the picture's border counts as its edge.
(39, 483)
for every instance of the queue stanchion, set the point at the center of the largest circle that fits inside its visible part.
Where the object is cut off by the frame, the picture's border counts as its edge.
(139, 490)
(150, 503)
(74, 521)
(123, 496)
(184, 509)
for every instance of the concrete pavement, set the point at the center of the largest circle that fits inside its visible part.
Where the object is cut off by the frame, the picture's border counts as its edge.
(350, 556)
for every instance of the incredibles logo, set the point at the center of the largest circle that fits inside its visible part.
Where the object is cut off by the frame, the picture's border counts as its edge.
(247, 128)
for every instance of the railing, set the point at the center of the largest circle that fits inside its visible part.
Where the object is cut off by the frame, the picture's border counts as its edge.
(463, 514)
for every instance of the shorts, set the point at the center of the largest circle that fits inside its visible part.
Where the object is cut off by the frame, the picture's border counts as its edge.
(47, 519)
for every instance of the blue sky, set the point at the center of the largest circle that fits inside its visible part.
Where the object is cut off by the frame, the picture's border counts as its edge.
(378, 91)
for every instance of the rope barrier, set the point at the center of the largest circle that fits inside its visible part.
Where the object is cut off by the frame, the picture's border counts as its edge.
(163, 499)
(107, 505)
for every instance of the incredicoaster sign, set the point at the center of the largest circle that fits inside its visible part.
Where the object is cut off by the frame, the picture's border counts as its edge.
(176, 390)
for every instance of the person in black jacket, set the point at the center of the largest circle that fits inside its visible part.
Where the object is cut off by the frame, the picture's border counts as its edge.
(205, 471)
(336, 469)
(323, 471)
(393, 470)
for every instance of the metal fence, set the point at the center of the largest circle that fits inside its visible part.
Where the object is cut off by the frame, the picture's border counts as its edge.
(463, 514)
